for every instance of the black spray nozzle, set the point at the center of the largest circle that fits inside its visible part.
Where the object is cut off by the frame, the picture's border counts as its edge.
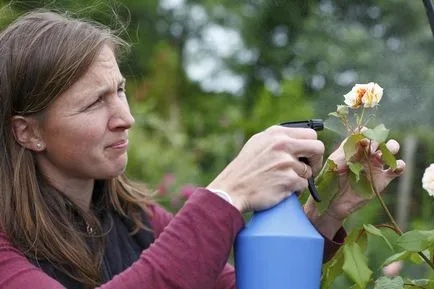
(316, 124)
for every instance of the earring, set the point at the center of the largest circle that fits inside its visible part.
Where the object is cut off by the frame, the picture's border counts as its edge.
(38, 146)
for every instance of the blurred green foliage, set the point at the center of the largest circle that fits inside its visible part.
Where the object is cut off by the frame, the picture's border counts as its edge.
(292, 60)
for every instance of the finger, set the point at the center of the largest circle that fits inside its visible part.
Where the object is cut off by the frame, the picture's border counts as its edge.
(313, 150)
(393, 146)
(292, 182)
(300, 185)
(399, 170)
(305, 148)
(363, 148)
(376, 160)
(316, 163)
(294, 132)
(368, 145)
(302, 169)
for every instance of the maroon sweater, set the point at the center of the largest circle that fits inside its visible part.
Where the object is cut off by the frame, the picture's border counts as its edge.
(190, 251)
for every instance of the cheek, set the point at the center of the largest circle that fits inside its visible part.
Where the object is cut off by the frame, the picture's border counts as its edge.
(79, 137)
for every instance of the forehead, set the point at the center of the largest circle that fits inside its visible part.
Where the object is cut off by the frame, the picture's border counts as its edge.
(103, 74)
(103, 71)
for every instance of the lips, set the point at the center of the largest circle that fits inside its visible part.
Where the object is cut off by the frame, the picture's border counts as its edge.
(119, 144)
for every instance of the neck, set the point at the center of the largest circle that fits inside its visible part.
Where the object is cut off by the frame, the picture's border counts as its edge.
(78, 191)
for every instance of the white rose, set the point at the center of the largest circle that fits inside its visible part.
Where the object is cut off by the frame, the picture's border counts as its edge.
(368, 95)
(428, 180)
(373, 95)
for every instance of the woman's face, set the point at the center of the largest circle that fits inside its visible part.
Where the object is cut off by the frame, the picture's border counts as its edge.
(85, 130)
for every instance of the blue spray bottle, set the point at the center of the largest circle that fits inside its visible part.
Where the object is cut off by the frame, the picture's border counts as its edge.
(279, 248)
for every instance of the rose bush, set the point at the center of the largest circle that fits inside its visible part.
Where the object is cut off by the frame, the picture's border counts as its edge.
(415, 246)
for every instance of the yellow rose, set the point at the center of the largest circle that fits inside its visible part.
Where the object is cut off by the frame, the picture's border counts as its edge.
(368, 95)
(428, 180)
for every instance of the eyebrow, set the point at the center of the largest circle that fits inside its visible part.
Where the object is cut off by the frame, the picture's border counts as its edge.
(107, 90)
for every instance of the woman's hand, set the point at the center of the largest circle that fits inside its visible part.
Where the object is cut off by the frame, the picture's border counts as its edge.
(348, 201)
(268, 169)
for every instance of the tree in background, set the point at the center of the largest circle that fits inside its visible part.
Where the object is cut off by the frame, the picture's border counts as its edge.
(205, 75)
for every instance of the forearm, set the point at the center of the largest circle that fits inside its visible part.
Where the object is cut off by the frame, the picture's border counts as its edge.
(191, 252)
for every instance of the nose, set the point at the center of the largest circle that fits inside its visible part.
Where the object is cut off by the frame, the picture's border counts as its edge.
(121, 118)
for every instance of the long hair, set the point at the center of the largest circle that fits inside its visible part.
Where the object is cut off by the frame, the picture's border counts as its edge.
(42, 54)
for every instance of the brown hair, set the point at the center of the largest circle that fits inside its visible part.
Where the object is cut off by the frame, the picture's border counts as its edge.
(42, 54)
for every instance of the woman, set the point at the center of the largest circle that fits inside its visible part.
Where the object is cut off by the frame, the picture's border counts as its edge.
(69, 216)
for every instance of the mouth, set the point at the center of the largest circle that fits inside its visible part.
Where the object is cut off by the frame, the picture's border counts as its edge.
(122, 144)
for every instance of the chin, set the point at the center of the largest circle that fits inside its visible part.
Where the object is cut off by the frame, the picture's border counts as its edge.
(117, 173)
(112, 172)
(112, 168)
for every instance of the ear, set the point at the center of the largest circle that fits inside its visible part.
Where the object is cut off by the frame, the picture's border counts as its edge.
(26, 133)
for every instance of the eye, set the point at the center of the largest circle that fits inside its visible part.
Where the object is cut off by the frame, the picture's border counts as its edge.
(98, 101)
(121, 90)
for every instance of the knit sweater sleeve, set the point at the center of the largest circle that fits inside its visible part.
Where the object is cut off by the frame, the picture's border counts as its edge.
(190, 251)
(161, 219)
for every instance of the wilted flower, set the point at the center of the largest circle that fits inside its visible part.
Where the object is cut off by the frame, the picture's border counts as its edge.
(368, 95)
(428, 180)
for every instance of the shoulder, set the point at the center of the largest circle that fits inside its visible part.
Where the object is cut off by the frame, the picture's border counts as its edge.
(17, 272)
(5, 245)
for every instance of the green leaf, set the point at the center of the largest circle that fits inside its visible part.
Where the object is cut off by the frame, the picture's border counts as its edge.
(378, 134)
(421, 282)
(416, 241)
(416, 258)
(332, 269)
(356, 168)
(388, 283)
(335, 114)
(387, 156)
(361, 187)
(342, 110)
(355, 265)
(376, 232)
(327, 185)
(359, 236)
(350, 145)
(353, 235)
(396, 257)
